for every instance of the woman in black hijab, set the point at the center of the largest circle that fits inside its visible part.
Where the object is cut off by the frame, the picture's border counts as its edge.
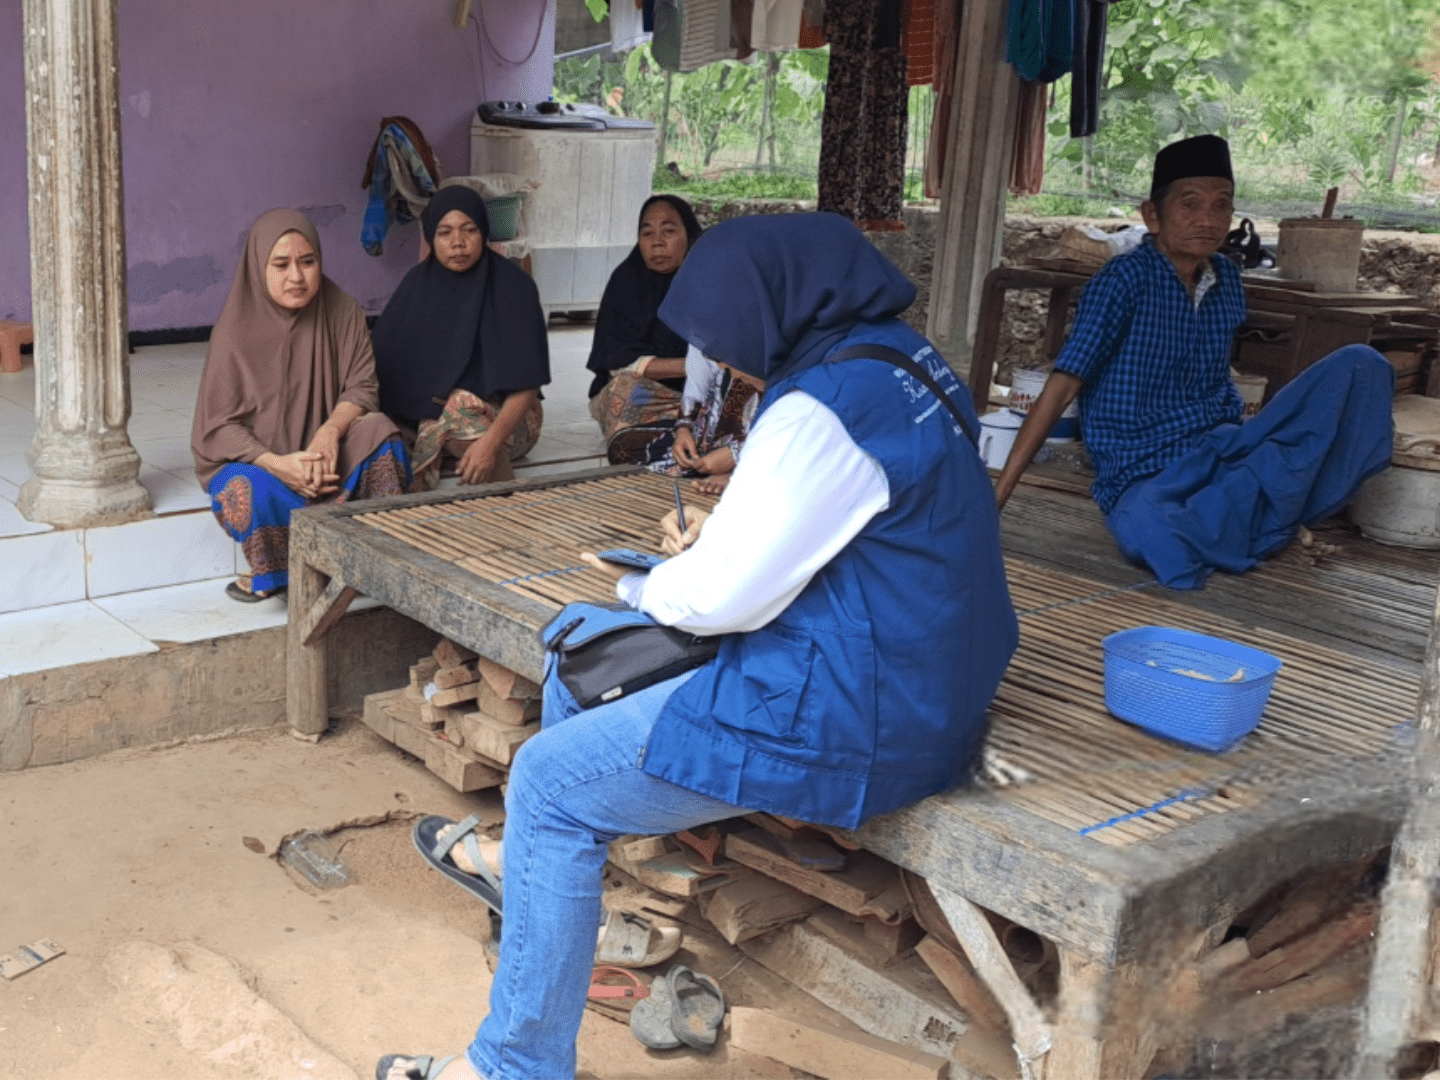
(461, 351)
(639, 396)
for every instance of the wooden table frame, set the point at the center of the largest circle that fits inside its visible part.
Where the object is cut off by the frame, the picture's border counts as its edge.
(1123, 919)
(1317, 323)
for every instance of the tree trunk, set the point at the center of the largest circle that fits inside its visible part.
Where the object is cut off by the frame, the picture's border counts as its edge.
(767, 122)
(1395, 139)
(664, 125)
(712, 137)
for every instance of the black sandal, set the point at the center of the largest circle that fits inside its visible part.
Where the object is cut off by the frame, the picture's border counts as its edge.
(246, 595)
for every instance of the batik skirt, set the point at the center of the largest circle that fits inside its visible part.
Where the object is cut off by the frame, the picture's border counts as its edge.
(254, 507)
(722, 419)
(466, 417)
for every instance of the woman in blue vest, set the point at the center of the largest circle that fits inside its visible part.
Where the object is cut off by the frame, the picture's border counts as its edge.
(853, 566)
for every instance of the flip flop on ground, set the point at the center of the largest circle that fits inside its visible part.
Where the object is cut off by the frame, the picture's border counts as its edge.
(697, 1007)
(633, 941)
(242, 589)
(650, 1020)
(614, 982)
(414, 1066)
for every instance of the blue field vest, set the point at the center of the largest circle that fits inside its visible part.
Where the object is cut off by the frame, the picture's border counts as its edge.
(869, 691)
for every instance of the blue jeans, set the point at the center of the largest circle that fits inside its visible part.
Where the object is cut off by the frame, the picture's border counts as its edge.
(573, 788)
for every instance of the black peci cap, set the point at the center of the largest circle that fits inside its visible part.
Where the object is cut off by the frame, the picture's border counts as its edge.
(1203, 155)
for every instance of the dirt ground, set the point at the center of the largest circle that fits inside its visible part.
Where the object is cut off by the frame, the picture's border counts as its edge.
(191, 955)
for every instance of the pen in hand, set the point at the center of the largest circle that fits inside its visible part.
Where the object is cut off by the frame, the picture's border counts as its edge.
(679, 510)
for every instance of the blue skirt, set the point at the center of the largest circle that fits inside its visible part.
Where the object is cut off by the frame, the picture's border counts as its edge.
(254, 507)
(1240, 494)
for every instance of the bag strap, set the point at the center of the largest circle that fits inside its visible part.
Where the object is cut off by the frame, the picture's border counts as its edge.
(907, 364)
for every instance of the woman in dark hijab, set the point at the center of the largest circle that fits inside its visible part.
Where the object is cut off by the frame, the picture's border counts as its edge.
(286, 412)
(461, 350)
(653, 408)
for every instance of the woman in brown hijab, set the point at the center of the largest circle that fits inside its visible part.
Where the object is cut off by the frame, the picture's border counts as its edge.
(286, 415)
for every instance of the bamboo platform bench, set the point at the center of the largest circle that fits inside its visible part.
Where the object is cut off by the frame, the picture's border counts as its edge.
(1131, 854)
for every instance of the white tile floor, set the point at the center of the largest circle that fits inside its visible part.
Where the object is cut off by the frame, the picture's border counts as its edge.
(74, 596)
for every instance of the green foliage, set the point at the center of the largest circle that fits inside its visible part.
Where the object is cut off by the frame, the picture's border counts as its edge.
(738, 184)
(598, 9)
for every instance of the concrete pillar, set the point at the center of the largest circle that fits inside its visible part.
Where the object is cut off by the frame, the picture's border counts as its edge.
(980, 141)
(85, 470)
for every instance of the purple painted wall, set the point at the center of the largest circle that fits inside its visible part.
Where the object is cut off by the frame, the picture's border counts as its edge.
(229, 109)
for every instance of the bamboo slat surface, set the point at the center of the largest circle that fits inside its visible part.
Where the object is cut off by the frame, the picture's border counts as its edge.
(1088, 772)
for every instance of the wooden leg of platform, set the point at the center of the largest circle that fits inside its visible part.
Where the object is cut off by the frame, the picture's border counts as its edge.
(306, 691)
(1105, 1027)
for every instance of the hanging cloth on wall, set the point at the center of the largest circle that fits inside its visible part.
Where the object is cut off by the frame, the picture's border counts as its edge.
(1038, 38)
(864, 126)
(1027, 160)
(1089, 62)
(812, 25)
(691, 33)
(947, 49)
(401, 173)
(921, 45)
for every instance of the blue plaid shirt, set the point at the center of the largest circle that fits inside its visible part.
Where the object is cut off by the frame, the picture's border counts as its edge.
(1156, 365)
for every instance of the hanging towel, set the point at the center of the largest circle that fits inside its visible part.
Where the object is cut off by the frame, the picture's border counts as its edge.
(1038, 38)
(775, 25)
(947, 49)
(1089, 61)
(1027, 160)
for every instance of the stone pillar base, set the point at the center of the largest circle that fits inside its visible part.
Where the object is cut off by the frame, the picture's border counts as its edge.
(79, 484)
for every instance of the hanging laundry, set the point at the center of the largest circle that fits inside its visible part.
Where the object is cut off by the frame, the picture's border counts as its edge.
(1038, 38)
(627, 25)
(691, 33)
(1088, 64)
(401, 173)
(775, 25)
(812, 25)
(864, 126)
(947, 51)
(647, 15)
(921, 46)
(1027, 159)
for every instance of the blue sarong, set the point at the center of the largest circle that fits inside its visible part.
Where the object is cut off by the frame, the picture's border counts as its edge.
(254, 507)
(1241, 493)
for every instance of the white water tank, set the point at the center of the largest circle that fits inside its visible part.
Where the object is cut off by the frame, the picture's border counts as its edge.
(581, 222)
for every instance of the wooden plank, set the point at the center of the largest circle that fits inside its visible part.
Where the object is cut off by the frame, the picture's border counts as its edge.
(375, 713)
(673, 875)
(903, 1003)
(866, 886)
(505, 682)
(506, 710)
(494, 739)
(977, 937)
(449, 654)
(327, 610)
(451, 677)
(754, 905)
(966, 987)
(826, 1051)
(456, 695)
(459, 768)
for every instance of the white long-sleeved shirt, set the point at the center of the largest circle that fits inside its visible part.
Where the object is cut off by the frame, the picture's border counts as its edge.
(803, 490)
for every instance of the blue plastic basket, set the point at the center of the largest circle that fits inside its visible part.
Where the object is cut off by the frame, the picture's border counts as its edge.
(1143, 685)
